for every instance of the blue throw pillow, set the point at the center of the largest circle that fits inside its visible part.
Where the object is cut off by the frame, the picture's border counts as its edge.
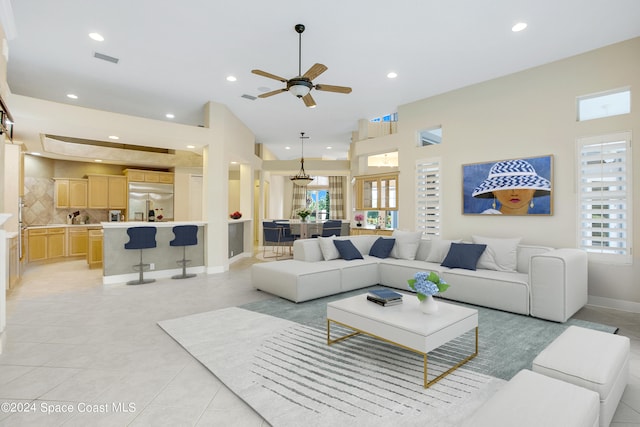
(463, 255)
(347, 250)
(382, 247)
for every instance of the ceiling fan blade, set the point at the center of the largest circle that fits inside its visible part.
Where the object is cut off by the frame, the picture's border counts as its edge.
(315, 71)
(308, 100)
(269, 75)
(331, 88)
(273, 92)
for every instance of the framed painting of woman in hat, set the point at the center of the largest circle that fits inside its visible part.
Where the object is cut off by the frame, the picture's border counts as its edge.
(509, 187)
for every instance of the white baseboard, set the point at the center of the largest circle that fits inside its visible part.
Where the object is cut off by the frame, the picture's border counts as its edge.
(616, 304)
(152, 274)
(239, 256)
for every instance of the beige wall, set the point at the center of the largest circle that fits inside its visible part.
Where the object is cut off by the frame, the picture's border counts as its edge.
(527, 114)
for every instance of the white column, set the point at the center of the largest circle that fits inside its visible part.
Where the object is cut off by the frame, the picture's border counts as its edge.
(215, 197)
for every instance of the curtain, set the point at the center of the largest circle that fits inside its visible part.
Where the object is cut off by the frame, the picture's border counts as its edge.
(299, 199)
(336, 194)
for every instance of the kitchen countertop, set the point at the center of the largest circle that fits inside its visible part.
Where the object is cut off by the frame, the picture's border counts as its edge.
(92, 225)
(127, 224)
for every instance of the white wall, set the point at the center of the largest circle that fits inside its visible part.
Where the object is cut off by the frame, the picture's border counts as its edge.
(527, 114)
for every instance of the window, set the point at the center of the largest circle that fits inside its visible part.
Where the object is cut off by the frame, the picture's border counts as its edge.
(318, 199)
(604, 169)
(428, 196)
(430, 136)
(393, 117)
(607, 104)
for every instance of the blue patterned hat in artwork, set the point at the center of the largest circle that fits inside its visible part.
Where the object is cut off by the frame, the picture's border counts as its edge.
(512, 174)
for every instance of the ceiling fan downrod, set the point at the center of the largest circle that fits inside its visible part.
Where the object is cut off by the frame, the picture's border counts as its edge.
(299, 29)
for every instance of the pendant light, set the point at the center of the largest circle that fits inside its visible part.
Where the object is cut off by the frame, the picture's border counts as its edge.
(301, 178)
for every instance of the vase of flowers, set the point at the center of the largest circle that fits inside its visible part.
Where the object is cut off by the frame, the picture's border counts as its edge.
(303, 214)
(359, 218)
(426, 285)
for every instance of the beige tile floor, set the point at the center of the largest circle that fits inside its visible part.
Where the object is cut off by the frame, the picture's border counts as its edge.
(72, 343)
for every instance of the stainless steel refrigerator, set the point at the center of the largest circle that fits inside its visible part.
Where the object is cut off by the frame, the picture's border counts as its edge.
(147, 197)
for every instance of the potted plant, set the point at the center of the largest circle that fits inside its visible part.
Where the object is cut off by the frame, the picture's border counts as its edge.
(359, 218)
(426, 285)
(303, 214)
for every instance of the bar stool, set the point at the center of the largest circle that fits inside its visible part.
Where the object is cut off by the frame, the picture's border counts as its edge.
(185, 235)
(141, 238)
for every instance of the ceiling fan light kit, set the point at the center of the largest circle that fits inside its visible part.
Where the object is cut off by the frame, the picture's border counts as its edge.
(301, 85)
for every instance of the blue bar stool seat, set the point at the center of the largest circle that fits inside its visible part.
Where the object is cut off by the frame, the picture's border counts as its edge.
(141, 238)
(185, 235)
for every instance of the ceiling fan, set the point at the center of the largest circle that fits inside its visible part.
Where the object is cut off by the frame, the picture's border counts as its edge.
(302, 84)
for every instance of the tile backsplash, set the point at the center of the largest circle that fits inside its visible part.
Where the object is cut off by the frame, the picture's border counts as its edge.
(40, 207)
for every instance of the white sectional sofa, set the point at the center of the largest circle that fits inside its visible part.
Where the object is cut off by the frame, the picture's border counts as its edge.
(541, 281)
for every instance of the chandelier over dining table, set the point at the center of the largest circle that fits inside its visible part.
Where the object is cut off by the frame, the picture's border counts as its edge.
(301, 178)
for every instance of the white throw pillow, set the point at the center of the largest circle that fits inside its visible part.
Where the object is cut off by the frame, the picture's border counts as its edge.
(439, 250)
(500, 255)
(329, 250)
(406, 245)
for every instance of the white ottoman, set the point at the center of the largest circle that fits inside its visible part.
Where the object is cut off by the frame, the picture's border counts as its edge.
(592, 359)
(534, 400)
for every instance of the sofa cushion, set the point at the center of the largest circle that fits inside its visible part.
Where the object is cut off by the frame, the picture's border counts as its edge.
(463, 255)
(500, 254)
(406, 245)
(382, 247)
(347, 250)
(329, 250)
(439, 250)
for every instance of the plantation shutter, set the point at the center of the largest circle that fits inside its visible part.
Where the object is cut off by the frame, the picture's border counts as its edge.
(428, 197)
(605, 195)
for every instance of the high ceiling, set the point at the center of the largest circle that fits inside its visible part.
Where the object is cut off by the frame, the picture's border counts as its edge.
(175, 56)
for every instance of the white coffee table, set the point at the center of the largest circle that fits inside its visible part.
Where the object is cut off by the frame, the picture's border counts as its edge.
(404, 325)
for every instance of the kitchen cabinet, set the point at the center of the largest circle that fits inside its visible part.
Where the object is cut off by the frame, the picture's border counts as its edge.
(107, 192)
(37, 244)
(46, 243)
(138, 175)
(98, 192)
(117, 192)
(78, 241)
(377, 192)
(70, 193)
(14, 262)
(94, 252)
(56, 243)
(376, 231)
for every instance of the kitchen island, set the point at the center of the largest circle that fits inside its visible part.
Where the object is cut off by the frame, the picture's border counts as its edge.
(118, 262)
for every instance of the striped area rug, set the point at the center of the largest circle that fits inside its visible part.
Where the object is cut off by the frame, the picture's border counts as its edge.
(291, 377)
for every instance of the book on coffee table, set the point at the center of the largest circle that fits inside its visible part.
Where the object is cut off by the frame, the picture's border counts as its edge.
(384, 296)
(385, 303)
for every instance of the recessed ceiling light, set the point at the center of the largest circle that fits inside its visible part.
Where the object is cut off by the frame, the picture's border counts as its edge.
(98, 161)
(72, 96)
(329, 148)
(169, 116)
(392, 75)
(231, 78)
(191, 146)
(234, 163)
(97, 37)
(287, 148)
(519, 27)
(114, 137)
